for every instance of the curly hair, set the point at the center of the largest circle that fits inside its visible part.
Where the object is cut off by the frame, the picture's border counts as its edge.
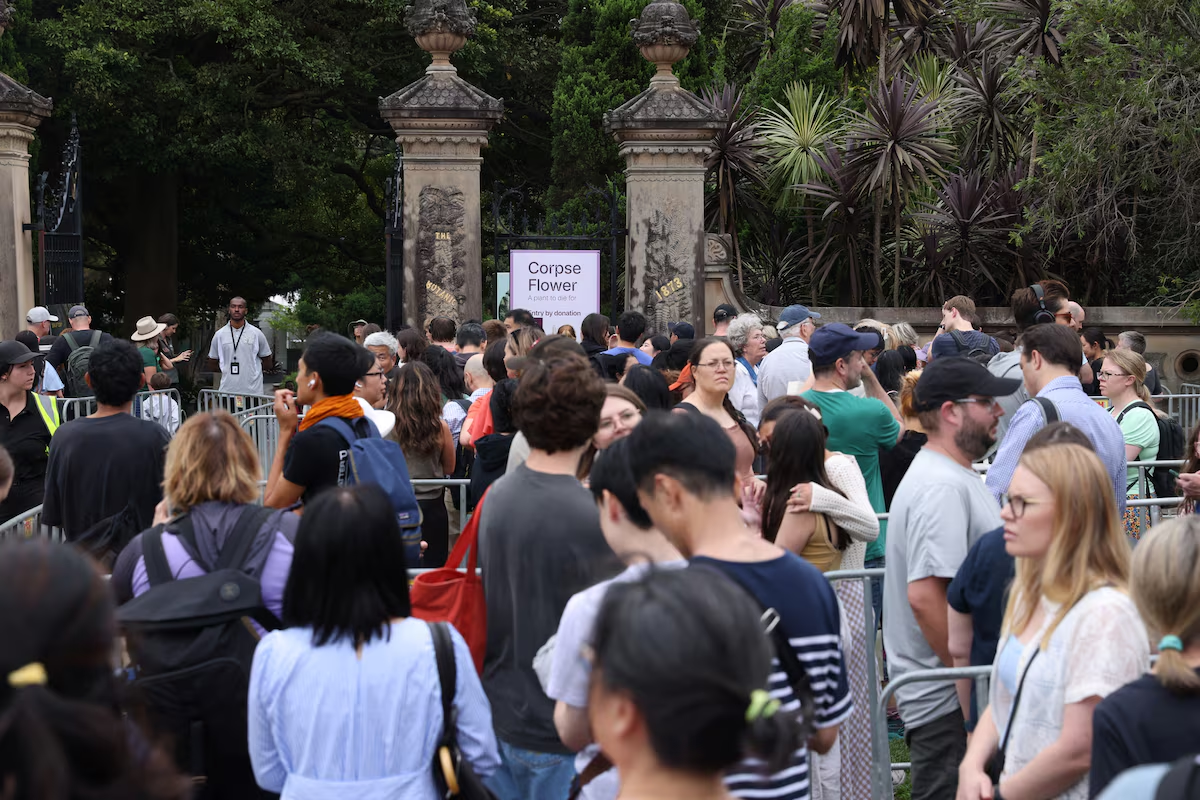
(416, 399)
(557, 404)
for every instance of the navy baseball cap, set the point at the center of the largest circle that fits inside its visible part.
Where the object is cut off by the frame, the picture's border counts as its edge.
(837, 340)
(684, 330)
(794, 315)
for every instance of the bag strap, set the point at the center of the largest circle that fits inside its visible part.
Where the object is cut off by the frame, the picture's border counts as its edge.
(158, 569)
(1016, 702)
(443, 651)
(1181, 781)
(464, 404)
(1049, 410)
(95, 342)
(599, 765)
(241, 538)
(348, 431)
(467, 545)
(71, 343)
(1131, 407)
(960, 340)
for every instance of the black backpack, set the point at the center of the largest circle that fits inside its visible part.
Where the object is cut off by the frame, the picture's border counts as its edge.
(1172, 441)
(1182, 781)
(191, 647)
(965, 350)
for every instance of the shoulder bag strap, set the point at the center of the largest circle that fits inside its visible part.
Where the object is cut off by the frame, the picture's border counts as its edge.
(158, 569)
(345, 429)
(1181, 781)
(241, 538)
(960, 340)
(1016, 702)
(71, 343)
(1049, 410)
(1131, 407)
(443, 650)
(95, 342)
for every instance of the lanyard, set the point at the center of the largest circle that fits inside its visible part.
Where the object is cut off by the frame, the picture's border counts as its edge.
(238, 340)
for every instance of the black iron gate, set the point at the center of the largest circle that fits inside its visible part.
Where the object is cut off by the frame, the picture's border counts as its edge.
(393, 238)
(594, 221)
(60, 229)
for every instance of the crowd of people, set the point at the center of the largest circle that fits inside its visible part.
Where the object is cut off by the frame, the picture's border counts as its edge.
(656, 514)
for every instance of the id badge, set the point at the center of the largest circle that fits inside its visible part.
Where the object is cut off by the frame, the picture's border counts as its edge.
(234, 368)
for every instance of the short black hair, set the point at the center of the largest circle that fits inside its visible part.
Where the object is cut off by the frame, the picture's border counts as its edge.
(340, 362)
(1057, 344)
(441, 329)
(447, 371)
(470, 334)
(691, 448)
(29, 339)
(348, 575)
(500, 401)
(650, 385)
(689, 649)
(493, 360)
(631, 325)
(519, 316)
(660, 343)
(610, 472)
(115, 372)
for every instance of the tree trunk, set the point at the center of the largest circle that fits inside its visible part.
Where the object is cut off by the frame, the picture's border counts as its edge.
(1033, 151)
(877, 255)
(896, 274)
(150, 248)
(812, 268)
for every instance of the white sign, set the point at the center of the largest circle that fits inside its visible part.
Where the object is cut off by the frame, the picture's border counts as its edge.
(558, 287)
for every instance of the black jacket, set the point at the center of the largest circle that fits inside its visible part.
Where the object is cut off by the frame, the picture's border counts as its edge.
(491, 461)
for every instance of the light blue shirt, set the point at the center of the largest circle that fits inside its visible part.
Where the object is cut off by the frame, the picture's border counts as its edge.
(51, 381)
(1076, 408)
(642, 356)
(326, 724)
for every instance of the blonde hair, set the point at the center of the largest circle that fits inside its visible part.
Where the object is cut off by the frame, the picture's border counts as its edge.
(1088, 548)
(1135, 365)
(890, 342)
(211, 458)
(1165, 585)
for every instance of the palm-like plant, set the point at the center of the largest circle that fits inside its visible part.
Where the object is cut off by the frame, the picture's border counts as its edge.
(756, 23)
(899, 147)
(734, 168)
(974, 231)
(1032, 28)
(775, 265)
(845, 214)
(990, 133)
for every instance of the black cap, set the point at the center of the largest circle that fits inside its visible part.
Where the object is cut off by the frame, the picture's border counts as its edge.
(13, 352)
(684, 330)
(956, 378)
(724, 312)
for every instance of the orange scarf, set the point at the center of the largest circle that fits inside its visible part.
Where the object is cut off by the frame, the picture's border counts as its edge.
(342, 405)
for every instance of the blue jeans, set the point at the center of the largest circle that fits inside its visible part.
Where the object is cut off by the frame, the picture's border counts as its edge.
(527, 775)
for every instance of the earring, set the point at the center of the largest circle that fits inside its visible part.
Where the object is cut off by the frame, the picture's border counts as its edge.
(311, 384)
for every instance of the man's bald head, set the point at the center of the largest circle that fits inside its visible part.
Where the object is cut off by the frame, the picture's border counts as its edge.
(475, 375)
(1077, 315)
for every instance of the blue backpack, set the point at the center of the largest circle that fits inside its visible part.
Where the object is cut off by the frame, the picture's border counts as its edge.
(380, 461)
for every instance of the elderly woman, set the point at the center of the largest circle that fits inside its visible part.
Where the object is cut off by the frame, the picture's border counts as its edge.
(749, 343)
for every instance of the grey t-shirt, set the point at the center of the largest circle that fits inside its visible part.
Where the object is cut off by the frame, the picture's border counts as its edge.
(941, 508)
(539, 543)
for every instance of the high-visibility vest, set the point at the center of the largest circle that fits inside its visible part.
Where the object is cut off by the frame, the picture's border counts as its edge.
(48, 408)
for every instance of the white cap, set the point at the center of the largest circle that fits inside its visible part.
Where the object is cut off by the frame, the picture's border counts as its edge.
(384, 420)
(40, 314)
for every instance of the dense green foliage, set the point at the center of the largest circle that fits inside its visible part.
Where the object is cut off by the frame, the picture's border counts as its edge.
(236, 146)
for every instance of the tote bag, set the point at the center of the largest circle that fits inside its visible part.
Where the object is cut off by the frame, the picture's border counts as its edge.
(447, 595)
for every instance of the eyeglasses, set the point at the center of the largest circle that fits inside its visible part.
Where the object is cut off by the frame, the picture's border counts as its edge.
(1018, 504)
(380, 374)
(983, 401)
(717, 366)
(1106, 374)
(626, 418)
(1059, 314)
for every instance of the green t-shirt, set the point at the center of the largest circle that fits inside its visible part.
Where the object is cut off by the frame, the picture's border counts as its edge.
(860, 427)
(149, 357)
(1139, 426)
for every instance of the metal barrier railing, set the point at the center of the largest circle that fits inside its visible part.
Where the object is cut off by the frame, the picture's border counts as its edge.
(264, 432)
(28, 525)
(233, 402)
(162, 406)
(75, 407)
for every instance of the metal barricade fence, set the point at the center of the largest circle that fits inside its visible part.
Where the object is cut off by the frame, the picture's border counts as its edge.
(152, 404)
(264, 432)
(236, 403)
(28, 525)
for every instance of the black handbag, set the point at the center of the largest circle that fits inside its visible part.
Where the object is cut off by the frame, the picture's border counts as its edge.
(452, 776)
(995, 765)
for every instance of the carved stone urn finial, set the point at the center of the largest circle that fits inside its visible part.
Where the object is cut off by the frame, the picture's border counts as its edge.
(664, 33)
(440, 27)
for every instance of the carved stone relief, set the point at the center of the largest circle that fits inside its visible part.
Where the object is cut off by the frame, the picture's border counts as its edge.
(441, 263)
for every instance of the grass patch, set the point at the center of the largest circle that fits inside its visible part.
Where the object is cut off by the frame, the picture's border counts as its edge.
(899, 753)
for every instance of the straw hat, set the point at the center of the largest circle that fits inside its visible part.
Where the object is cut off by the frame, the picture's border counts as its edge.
(147, 328)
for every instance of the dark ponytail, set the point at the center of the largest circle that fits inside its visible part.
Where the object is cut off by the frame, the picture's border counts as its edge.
(61, 730)
(688, 646)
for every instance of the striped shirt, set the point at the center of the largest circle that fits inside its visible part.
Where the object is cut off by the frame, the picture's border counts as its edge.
(809, 615)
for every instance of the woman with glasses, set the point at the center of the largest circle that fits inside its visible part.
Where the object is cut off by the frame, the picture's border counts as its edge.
(428, 446)
(713, 370)
(621, 413)
(372, 387)
(816, 505)
(1122, 381)
(1071, 635)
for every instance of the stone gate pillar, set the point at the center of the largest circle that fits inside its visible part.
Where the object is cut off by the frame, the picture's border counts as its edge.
(441, 122)
(665, 133)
